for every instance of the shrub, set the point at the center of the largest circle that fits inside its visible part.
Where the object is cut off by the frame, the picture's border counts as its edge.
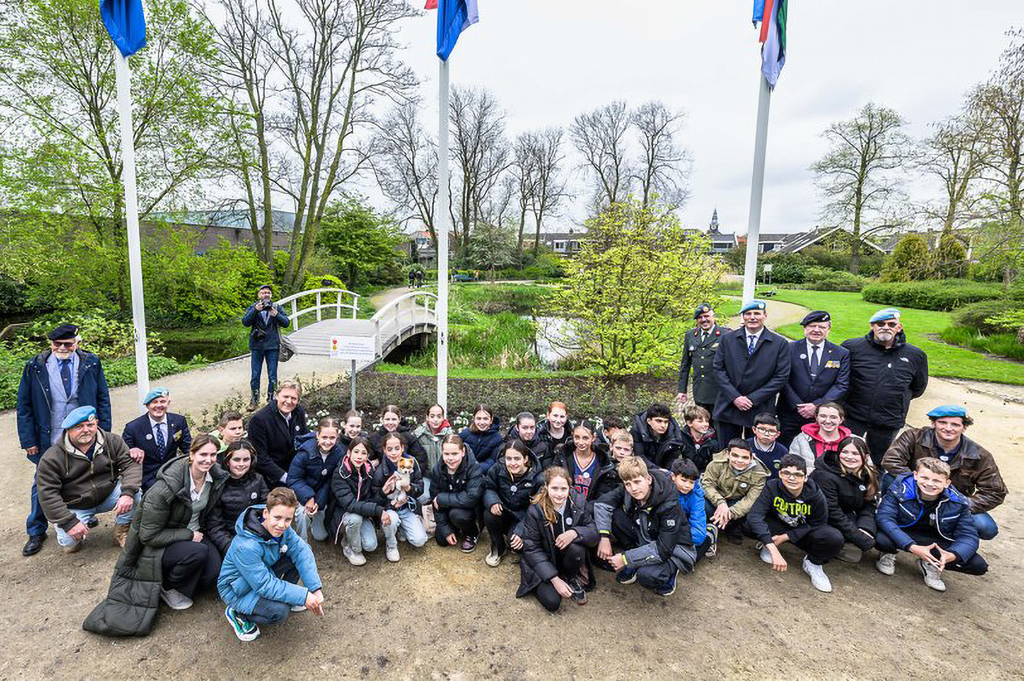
(976, 315)
(945, 294)
(910, 260)
(950, 257)
(820, 279)
(1002, 344)
(787, 268)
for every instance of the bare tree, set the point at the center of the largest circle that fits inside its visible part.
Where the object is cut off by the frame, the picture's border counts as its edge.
(663, 164)
(550, 187)
(955, 155)
(600, 138)
(524, 174)
(856, 175)
(406, 167)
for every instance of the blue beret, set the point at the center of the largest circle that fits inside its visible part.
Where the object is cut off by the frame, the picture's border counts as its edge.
(816, 316)
(948, 411)
(155, 393)
(63, 332)
(885, 315)
(754, 304)
(78, 416)
(701, 309)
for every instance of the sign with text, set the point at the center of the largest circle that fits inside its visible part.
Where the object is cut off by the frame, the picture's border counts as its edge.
(357, 341)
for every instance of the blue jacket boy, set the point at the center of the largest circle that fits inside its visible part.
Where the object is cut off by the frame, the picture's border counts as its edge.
(901, 507)
(693, 506)
(309, 474)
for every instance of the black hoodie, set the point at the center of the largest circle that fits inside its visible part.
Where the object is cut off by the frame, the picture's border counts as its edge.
(237, 495)
(513, 495)
(844, 493)
(799, 514)
(663, 450)
(537, 446)
(462, 489)
(884, 380)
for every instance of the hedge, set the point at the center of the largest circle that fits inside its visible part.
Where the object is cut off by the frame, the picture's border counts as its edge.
(973, 316)
(944, 294)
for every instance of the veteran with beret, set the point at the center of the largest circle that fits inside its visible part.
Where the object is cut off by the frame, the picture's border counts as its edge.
(973, 470)
(699, 347)
(53, 384)
(886, 372)
(157, 436)
(751, 366)
(819, 373)
(87, 472)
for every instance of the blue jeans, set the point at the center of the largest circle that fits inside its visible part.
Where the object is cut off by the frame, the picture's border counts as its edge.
(35, 524)
(360, 533)
(409, 523)
(256, 359)
(267, 611)
(304, 523)
(986, 526)
(87, 514)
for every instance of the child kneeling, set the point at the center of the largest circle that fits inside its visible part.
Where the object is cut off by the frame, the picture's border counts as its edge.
(259, 574)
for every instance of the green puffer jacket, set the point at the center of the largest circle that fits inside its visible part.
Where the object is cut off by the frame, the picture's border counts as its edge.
(161, 520)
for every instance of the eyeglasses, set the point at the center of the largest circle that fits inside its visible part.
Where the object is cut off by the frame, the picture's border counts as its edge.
(64, 344)
(766, 431)
(792, 475)
(887, 325)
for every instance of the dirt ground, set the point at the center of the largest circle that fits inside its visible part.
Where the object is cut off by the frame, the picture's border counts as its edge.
(443, 614)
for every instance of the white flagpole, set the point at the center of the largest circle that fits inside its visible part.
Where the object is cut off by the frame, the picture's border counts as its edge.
(124, 107)
(441, 228)
(756, 189)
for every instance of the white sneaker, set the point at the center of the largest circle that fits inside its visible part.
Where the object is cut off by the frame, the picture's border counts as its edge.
(886, 564)
(353, 557)
(819, 580)
(932, 575)
(766, 555)
(175, 600)
(392, 554)
(493, 558)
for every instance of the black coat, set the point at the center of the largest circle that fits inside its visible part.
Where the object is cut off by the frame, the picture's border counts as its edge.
(381, 475)
(605, 478)
(516, 495)
(274, 440)
(830, 385)
(462, 489)
(883, 381)
(139, 433)
(759, 377)
(539, 561)
(412, 445)
(264, 335)
(700, 355)
(553, 442)
(700, 454)
(352, 492)
(237, 495)
(848, 510)
(661, 522)
(540, 448)
(661, 451)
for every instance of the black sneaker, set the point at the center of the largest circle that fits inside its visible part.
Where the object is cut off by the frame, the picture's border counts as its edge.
(670, 588)
(626, 576)
(712, 542)
(468, 544)
(579, 594)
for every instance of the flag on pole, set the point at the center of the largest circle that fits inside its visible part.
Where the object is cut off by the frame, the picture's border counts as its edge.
(453, 17)
(773, 35)
(125, 23)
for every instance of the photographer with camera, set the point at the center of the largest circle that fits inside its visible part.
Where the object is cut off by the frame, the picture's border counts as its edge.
(264, 318)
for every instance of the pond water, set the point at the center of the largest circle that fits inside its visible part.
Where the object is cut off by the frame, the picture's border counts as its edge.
(553, 335)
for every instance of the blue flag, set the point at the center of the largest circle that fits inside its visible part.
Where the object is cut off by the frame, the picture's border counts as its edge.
(758, 10)
(125, 23)
(453, 17)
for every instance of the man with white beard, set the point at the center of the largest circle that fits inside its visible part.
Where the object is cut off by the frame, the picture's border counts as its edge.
(886, 373)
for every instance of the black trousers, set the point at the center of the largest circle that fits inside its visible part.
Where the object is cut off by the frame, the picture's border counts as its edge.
(976, 565)
(821, 543)
(878, 437)
(569, 563)
(499, 527)
(189, 566)
(730, 431)
(734, 528)
(464, 520)
(657, 576)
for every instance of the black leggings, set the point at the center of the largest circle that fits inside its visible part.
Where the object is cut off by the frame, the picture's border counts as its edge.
(569, 562)
(189, 566)
(499, 527)
(464, 522)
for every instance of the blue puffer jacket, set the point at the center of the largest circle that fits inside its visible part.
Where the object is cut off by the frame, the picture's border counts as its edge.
(309, 475)
(245, 575)
(485, 445)
(693, 507)
(901, 507)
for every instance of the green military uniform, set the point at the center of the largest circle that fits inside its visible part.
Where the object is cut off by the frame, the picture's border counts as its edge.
(699, 354)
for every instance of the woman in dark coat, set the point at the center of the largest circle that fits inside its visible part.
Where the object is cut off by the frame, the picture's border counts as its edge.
(509, 487)
(165, 555)
(849, 482)
(557, 533)
(243, 488)
(391, 422)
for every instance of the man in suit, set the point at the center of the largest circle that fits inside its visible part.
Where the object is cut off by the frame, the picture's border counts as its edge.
(265, 319)
(54, 384)
(699, 349)
(819, 373)
(157, 436)
(751, 367)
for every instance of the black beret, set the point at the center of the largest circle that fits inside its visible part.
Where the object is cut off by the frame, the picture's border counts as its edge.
(267, 286)
(701, 309)
(816, 316)
(63, 332)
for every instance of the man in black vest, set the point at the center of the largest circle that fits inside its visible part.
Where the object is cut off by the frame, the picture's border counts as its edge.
(699, 347)
(751, 366)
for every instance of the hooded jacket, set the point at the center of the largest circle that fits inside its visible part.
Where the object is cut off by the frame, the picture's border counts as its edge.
(809, 445)
(973, 471)
(274, 440)
(663, 527)
(431, 442)
(237, 495)
(67, 479)
(539, 562)
(848, 510)
(884, 380)
(486, 446)
(540, 448)
(246, 575)
(902, 506)
(799, 514)
(663, 450)
(462, 489)
(700, 453)
(309, 475)
(514, 495)
(352, 489)
(722, 484)
(554, 442)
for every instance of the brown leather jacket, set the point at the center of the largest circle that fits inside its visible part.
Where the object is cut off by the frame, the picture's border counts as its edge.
(974, 470)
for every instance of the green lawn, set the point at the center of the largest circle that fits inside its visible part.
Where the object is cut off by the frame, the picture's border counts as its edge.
(850, 316)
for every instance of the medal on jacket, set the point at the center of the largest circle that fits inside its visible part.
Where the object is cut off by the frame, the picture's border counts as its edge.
(323, 472)
(284, 548)
(253, 495)
(568, 521)
(513, 488)
(943, 458)
(862, 488)
(743, 484)
(586, 476)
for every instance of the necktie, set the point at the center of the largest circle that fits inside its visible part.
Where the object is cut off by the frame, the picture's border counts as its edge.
(814, 360)
(160, 440)
(65, 376)
(703, 336)
(750, 348)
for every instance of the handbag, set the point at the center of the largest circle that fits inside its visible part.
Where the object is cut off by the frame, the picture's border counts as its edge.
(287, 348)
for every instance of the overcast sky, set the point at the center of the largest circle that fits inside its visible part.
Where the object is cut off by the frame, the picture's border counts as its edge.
(548, 60)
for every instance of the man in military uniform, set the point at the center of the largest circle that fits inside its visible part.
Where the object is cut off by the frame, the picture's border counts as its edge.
(699, 353)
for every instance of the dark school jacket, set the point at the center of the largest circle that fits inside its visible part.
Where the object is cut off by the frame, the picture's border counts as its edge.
(539, 560)
(661, 450)
(844, 494)
(462, 489)
(798, 514)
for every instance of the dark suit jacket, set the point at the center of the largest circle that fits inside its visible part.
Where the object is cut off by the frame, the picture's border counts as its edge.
(830, 385)
(700, 356)
(264, 336)
(759, 377)
(139, 433)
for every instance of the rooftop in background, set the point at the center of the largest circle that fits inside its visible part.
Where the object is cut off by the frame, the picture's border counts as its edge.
(227, 218)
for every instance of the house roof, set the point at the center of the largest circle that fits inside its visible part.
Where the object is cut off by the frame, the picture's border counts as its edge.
(283, 221)
(805, 239)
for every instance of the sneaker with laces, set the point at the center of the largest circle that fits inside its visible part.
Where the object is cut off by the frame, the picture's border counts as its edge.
(819, 580)
(670, 588)
(493, 558)
(579, 594)
(932, 575)
(765, 554)
(244, 629)
(175, 600)
(391, 553)
(468, 544)
(626, 576)
(886, 564)
(354, 558)
(713, 545)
